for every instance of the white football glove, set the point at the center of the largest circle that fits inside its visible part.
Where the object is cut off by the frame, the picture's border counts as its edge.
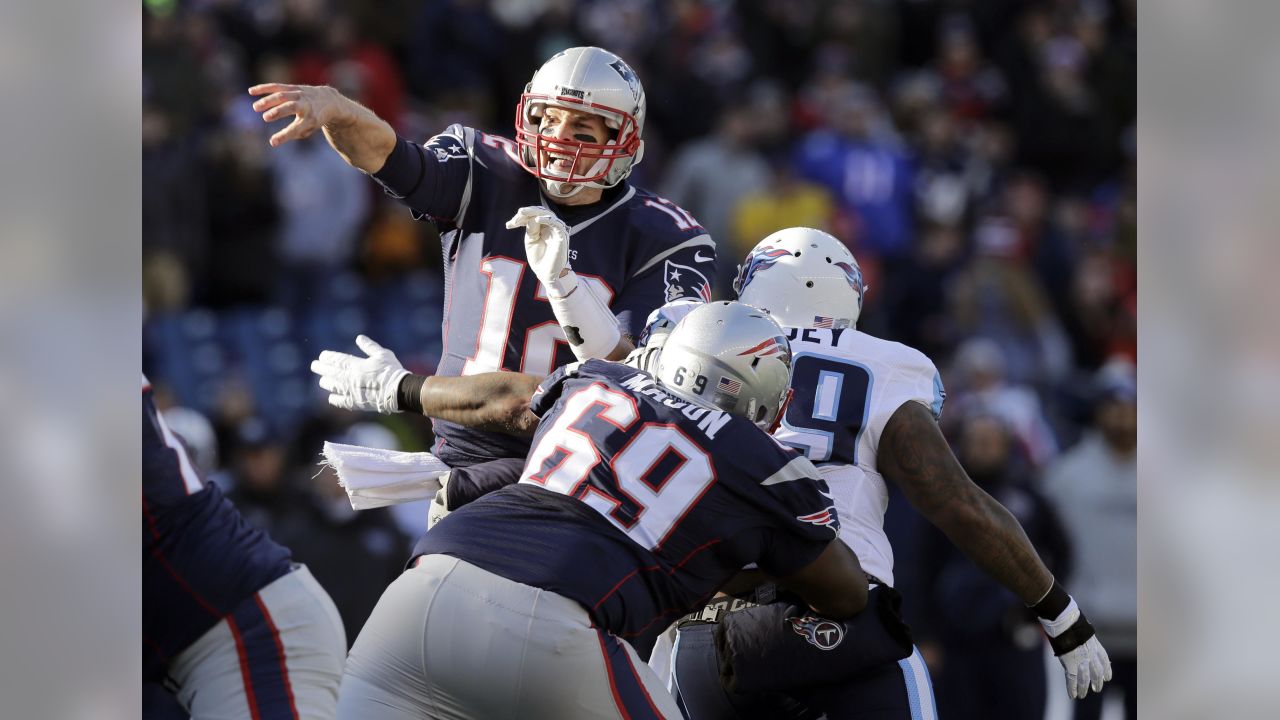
(1087, 665)
(546, 244)
(356, 383)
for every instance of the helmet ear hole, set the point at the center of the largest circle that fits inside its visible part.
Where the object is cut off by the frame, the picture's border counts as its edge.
(809, 284)
(797, 253)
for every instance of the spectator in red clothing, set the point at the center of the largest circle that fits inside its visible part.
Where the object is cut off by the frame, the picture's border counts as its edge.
(357, 67)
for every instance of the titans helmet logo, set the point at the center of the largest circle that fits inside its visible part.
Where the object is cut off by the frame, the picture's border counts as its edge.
(759, 259)
(854, 275)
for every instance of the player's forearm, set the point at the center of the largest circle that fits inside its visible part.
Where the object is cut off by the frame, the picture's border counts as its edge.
(622, 349)
(914, 455)
(994, 539)
(362, 138)
(834, 585)
(496, 401)
(743, 583)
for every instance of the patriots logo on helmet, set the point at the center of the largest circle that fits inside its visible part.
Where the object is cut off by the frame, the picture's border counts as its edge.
(759, 259)
(772, 346)
(683, 281)
(628, 75)
(819, 632)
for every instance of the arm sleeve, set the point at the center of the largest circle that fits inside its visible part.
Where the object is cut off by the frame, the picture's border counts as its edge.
(805, 514)
(475, 481)
(685, 271)
(434, 180)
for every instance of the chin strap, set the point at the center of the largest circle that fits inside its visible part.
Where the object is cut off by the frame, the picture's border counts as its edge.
(556, 189)
(588, 324)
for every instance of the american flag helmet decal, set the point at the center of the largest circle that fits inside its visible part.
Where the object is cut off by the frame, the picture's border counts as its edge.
(729, 385)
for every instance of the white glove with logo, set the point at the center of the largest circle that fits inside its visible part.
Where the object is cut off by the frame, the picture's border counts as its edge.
(356, 383)
(1082, 656)
(546, 244)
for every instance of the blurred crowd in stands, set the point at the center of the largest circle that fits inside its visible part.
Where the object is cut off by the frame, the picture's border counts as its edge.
(977, 157)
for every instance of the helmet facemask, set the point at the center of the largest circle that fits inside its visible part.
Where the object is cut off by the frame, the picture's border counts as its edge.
(612, 158)
(582, 80)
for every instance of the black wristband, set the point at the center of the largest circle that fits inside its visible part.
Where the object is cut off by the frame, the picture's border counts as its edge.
(409, 393)
(1053, 603)
(1073, 637)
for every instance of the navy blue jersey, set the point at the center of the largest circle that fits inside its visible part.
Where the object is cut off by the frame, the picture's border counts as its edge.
(199, 557)
(634, 249)
(640, 505)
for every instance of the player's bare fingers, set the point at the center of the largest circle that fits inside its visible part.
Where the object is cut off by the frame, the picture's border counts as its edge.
(284, 109)
(300, 128)
(275, 99)
(268, 88)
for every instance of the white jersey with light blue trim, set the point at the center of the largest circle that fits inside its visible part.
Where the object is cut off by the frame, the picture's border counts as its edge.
(847, 385)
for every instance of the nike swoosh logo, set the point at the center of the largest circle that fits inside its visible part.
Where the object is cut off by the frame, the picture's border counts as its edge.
(697, 257)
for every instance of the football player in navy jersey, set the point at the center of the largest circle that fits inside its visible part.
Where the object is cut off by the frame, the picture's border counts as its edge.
(643, 494)
(865, 411)
(229, 624)
(564, 177)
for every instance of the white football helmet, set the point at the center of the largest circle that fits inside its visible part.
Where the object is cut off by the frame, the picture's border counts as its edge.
(584, 79)
(804, 278)
(657, 329)
(731, 356)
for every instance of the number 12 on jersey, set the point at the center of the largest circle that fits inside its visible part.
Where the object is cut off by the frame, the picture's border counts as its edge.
(503, 277)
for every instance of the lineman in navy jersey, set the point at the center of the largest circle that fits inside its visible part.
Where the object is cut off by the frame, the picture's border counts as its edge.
(577, 137)
(229, 624)
(641, 497)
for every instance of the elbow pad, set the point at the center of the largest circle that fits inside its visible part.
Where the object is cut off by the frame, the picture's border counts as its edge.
(589, 325)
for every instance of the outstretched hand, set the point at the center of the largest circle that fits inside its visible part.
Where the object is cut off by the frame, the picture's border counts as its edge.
(361, 383)
(311, 107)
(362, 139)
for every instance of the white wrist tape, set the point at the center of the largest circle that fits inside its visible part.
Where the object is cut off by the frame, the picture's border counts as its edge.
(1065, 620)
(562, 285)
(589, 325)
